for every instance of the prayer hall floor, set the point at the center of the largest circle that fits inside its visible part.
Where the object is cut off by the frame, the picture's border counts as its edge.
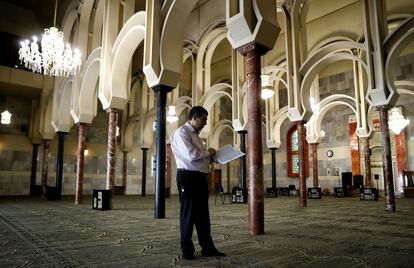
(331, 232)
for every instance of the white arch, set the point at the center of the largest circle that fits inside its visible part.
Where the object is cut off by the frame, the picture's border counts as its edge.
(82, 110)
(322, 112)
(314, 70)
(218, 128)
(147, 137)
(399, 39)
(63, 120)
(129, 38)
(275, 124)
(128, 134)
(97, 25)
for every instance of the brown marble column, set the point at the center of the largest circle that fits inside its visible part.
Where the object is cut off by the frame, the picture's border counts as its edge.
(212, 181)
(302, 166)
(34, 168)
(252, 53)
(46, 144)
(386, 159)
(111, 154)
(80, 162)
(315, 165)
(228, 178)
(367, 162)
(124, 171)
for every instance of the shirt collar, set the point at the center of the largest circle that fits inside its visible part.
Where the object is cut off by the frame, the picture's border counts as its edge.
(192, 128)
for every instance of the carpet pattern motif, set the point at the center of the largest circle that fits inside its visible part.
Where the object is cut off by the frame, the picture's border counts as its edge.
(331, 232)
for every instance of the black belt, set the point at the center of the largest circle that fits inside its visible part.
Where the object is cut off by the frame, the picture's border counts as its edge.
(190, 171)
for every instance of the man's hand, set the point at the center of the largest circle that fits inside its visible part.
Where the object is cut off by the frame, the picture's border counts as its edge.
(212, 152)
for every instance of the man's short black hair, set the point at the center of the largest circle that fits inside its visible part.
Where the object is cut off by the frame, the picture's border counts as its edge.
(196, 111)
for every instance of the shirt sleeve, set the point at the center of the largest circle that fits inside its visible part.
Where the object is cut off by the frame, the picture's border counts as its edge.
(190, 150)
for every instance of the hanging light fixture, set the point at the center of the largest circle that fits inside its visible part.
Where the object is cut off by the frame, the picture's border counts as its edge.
(171, 115)
(396, 121)
(54, 59)
(6, 117)
(267, 89)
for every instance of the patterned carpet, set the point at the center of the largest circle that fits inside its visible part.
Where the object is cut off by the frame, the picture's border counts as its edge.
(331, 232)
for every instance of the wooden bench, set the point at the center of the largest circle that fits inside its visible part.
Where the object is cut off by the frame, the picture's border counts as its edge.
(408, 183)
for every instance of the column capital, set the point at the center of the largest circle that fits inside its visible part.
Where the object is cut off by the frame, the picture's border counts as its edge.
(253, 46)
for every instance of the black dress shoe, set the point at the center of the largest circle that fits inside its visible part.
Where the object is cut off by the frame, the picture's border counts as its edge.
(212, 253)
(188, 257)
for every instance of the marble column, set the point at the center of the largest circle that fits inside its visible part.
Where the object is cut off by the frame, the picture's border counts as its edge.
(124, 171)
(80, 162)
(144, 171)
(367, 162)
(302, 164)
(252, 53)
(46, 144)
(315, 165)
(386, 159)
(59, 164)
(34, 169)
(243, 160)
(111, 154)
(273, 151)
(212, 181)
(228, 178)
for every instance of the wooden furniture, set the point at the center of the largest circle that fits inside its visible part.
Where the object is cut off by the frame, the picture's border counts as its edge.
(408, 183)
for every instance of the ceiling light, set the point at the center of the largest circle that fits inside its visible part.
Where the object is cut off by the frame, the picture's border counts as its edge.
(53, 58)
(396, 121)
(6, 117)
(171, 115)
(267, 89)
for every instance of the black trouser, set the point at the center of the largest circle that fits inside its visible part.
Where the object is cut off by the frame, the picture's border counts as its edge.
(193, 191)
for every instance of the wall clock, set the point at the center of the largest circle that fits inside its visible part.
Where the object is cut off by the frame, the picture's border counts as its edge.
(329, 153)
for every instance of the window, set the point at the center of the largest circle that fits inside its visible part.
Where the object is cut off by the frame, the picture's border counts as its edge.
(293, 153)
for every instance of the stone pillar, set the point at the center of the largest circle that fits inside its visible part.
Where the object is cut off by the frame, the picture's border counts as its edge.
(80, 163)
(59, 164)
(34, 168)
(46, 144)
(302, 166)
(252, 53)
(228, 177)
(161, 151)
(124, 171)
(144, 171)
(212, 180)
(111, 154)
(367, 162)
(315, 164)
(243, 160)
(386, 159)
(273, 151)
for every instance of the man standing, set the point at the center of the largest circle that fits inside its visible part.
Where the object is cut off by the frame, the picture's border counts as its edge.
(193, 163)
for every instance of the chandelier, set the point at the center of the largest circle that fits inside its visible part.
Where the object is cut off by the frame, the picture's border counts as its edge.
(267, 89)
(54, 58)
(396, 121)
(171, 115)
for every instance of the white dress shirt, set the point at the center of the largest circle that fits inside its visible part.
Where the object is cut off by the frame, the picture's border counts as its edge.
(189, 151)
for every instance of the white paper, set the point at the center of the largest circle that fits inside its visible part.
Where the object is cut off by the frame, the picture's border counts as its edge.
(227, 154)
